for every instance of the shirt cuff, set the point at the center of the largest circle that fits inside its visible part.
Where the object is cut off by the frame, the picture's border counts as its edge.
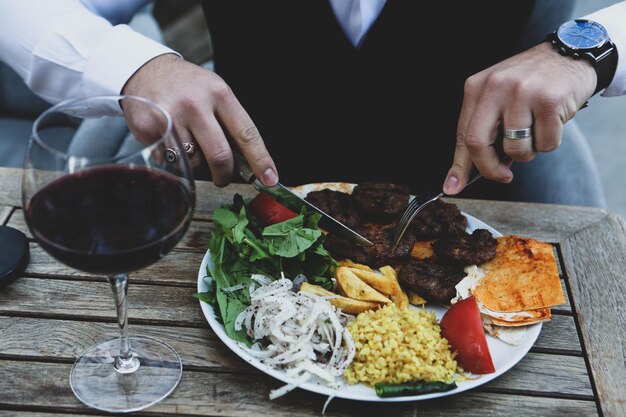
(116, 58)
(612, 18)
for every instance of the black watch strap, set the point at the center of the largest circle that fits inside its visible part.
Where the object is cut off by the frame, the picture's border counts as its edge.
(605, 66)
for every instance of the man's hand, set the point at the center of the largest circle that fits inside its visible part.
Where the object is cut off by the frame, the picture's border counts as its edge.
(538, 88)
(204, 109)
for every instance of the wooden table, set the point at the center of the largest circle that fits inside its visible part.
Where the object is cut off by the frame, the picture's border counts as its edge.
(52, 313)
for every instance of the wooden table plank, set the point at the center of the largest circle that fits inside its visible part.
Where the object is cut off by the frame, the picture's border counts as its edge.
(11, 189)
(177, 268)
(559, 334)
(46, 385)
(596, 265)
(18, 222)
(547, 222)
(5, 213)
(63, 340)
(81, 300)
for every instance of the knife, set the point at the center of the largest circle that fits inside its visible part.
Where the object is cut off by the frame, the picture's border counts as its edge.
(290, 199)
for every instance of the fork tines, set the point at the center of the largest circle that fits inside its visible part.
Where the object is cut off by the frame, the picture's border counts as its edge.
(409, 214)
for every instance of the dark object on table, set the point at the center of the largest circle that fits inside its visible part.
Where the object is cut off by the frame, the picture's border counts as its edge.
(14, 254)
(466, 249)
(432, 280)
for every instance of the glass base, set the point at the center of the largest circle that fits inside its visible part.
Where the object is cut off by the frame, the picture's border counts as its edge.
(98, 384)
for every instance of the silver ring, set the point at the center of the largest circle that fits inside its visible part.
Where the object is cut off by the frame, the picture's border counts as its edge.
(171, 154)
(516, 134)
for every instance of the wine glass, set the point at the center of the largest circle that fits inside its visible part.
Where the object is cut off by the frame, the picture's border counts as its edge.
(111, 216)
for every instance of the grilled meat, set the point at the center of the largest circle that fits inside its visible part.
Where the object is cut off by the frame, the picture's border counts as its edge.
(432, 280)
(380, 201)
(336, 204)
(377, 255)
(438, 219)
(466, 249)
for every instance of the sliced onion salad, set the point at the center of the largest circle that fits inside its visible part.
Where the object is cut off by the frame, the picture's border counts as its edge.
(300, 333)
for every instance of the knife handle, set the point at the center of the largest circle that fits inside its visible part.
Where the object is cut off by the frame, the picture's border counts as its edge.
(243, 168)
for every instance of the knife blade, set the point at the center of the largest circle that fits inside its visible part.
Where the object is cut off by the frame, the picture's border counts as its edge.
(290, 199)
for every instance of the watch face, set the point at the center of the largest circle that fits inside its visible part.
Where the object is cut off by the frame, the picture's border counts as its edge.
(582, 34)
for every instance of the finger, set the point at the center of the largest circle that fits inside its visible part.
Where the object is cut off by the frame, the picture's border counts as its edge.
(196, 157)
(216, 149)
(459, 173)
(548, 130)
(518, 116)
(245, 134)
(481, 135)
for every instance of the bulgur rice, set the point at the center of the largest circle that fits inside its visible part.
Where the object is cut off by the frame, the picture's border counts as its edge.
(396, 345)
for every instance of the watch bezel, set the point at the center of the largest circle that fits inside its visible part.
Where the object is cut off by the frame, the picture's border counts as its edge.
(589, 23)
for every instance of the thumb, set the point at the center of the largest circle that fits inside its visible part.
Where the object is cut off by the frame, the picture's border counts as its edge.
(459, 173)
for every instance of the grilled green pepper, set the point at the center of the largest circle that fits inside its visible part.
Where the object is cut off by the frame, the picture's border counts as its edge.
(384, 389)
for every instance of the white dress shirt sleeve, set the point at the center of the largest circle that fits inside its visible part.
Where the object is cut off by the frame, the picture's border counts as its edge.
(613, 18)
(63, 50)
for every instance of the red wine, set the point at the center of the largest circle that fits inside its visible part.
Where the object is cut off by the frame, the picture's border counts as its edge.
(111, 219)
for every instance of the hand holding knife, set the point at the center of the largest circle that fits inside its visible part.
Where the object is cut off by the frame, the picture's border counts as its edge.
(287, 197)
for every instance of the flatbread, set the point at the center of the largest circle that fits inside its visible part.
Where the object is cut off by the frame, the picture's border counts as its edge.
(527, 316)
(538, 316)
(523, 276)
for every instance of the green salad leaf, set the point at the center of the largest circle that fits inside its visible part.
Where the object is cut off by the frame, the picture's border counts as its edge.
(240, 247)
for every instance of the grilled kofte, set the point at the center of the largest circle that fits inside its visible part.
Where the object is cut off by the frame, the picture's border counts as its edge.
(370, 210)
(466, 249)
(373, 210)
(337, 204)
(439, 219)
(381, 235)
(432, 280)
(381, 201)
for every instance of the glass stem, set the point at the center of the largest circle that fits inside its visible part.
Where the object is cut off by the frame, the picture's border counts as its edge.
(126, 362)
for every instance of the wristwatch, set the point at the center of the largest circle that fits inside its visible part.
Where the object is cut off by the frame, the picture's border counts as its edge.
(582, 38)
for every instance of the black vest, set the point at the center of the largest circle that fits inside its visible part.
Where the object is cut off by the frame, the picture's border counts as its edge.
(331, 112)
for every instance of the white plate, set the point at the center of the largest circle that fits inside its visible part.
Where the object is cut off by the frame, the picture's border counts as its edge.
(504, 356)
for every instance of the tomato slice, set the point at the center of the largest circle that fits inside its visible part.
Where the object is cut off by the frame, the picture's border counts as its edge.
(462, 326)
(269, 211)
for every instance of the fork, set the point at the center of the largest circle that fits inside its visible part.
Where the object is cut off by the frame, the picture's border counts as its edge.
(411, 211)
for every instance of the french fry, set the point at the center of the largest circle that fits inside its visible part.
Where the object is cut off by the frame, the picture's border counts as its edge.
(347, 305)
(392, 276)
(400, 297)
(401, 300)
(350, 285)
(415, 298)
(378, 280)
(351, 264)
